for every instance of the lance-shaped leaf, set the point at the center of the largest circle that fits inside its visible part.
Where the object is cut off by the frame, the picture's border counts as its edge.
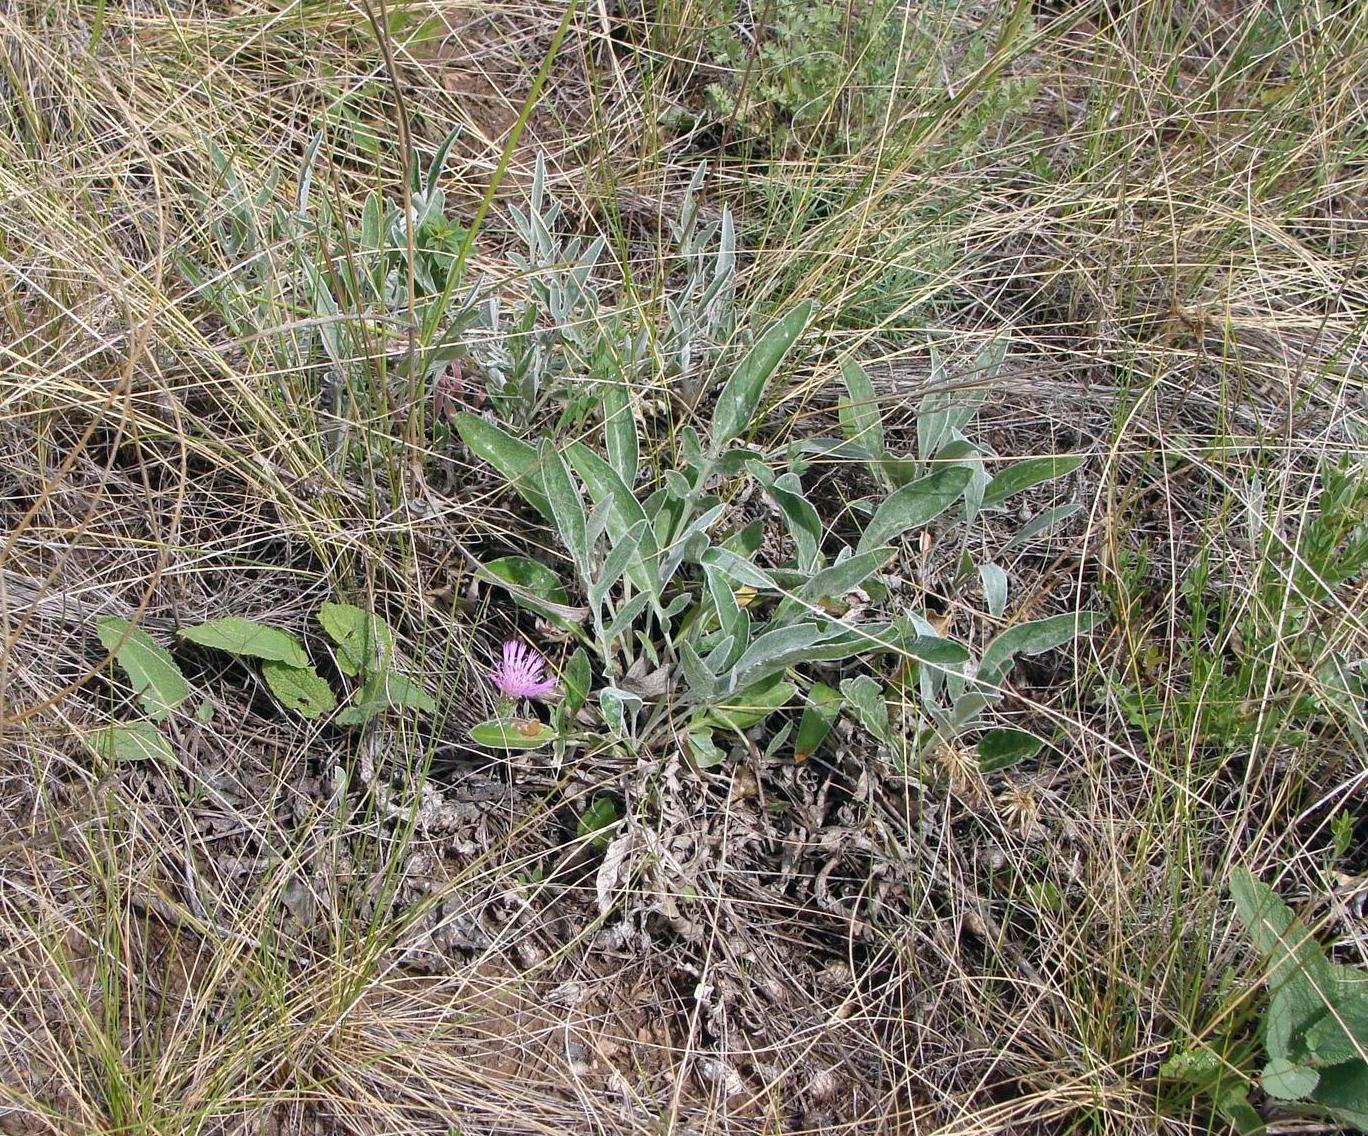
(151, 670)
(740, 396)
(511, 456)
(567, 506)
(1033, 638)
(914, 506)
(1023, 475)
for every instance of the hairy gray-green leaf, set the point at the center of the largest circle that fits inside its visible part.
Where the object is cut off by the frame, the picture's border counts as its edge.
(861, 420)
(1023, 475)
(511, 456)
(624, 511)
(1033, 638)
(914, 506)
(567, 506)
(866, 698)
(994, 581)
(740, 396)
(846, 575)
(152, 672)
(620, 431)
(1042, 522)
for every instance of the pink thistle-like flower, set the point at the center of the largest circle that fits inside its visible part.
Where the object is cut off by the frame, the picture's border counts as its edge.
(521, 674)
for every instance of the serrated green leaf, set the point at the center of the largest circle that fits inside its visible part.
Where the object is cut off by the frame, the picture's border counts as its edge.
(131, 741)
(1004, 746)
(510, 733)
(1297, 972)
(511, 456)
(1343, 1092)
(1022, 475)
(247, 638)
(364, 641)
(152, 672)
(301, 689)
(740, 396)
(914, 506)
(1342, 1034)
(1288, 1081)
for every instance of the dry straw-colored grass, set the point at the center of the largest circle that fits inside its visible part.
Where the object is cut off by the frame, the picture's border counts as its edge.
(290, 931)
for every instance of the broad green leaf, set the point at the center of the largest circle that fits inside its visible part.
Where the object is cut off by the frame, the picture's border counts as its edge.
(1342, 1034)
(740, 396)
(247, 638)
(1288, 1081)
(1022, 475)
(535, 587)
(382, 692)
(1343, 1091)
(914, 506)
(861, 421)
(596, 820)
(301, 689)
(747, 708)
(1033, 638)
(567, 506)
(1232, 1101)
(131, 741)
(703, 749)
(512, 733)
(364, 640)
(1297, 972)
(576, 678)
(1001, 747)
(620, 431)
(820, 711)
(152, 672)
(511, 456)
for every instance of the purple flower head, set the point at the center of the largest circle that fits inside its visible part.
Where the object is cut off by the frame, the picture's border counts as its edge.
(520, 675)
